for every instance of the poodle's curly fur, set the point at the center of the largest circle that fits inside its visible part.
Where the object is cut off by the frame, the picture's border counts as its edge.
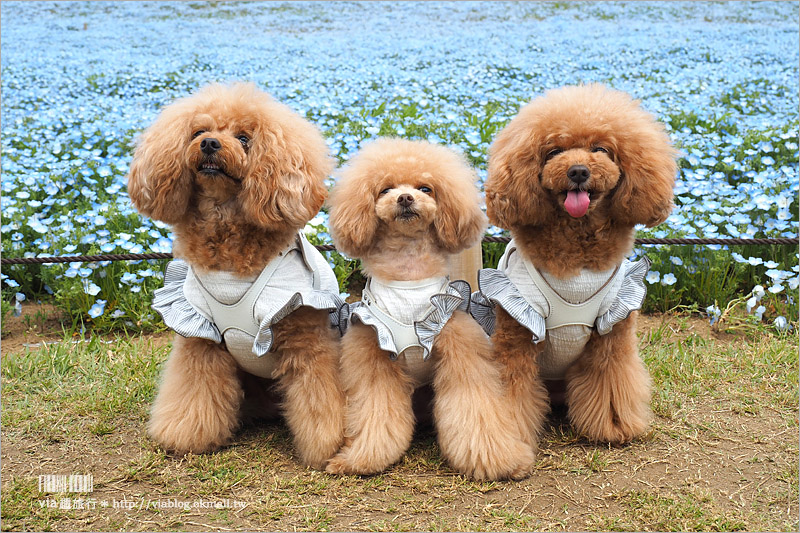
(369, 221)
(630, 165)
(234, 210)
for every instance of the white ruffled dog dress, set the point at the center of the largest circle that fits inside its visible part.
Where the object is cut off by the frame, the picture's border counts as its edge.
(220, 305)
(408, 315)
(561, 313)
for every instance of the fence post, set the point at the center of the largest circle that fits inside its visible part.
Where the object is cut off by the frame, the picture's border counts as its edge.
(466, 265)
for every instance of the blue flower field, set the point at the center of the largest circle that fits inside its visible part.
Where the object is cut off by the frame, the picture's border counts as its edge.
(80, 80)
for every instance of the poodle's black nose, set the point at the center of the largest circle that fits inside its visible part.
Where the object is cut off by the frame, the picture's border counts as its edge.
(405, 200)
(210, 145)
(578, 174)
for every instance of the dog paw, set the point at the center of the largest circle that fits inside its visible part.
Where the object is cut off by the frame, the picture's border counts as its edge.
(342, 464)
(186, 434)
(515, 464)
(345, 463)
(611, 428)
(338, 465)
(615, 423)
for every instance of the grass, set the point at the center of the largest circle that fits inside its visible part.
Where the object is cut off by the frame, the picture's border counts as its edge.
(682, 512)
(721, 455)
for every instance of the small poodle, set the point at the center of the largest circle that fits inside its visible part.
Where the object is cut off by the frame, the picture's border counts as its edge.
(570, 177)
(404, 208)
(237, 175)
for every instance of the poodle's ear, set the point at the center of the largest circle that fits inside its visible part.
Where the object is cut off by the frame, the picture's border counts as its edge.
(159, 183)
(459, 220)
(647, 160)
(285, 186)
(514, 195)
(353, 221)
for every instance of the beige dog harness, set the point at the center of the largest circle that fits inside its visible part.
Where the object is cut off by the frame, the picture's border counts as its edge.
(407, 316)
(562, 313)
(241, 315)
(221, 306)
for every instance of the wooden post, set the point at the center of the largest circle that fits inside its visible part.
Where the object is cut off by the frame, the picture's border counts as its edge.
(466, 265)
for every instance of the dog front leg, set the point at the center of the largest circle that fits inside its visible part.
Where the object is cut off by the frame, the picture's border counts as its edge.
(608, 388)
(308, 377)
(197, 405)
(379, 420)
(517, 357)
(473, 416)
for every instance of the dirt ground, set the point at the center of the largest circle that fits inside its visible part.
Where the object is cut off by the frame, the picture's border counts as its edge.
(707, 465)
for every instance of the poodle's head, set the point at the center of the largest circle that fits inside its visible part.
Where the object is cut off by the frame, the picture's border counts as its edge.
(403, 189)
(232, 147)
(582, 151)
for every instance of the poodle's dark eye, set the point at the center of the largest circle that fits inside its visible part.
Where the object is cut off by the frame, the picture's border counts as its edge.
(552, 153)
(198, 133)
(599, 149)
(384, 191)
(426, 190)
(244, 140)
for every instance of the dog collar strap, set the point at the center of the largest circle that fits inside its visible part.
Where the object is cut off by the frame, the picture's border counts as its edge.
(563, 313)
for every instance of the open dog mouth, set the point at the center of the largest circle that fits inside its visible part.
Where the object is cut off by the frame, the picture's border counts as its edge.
(577, 202)
(213, 169)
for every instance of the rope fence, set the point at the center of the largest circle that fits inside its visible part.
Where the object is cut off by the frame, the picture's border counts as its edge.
(792, 241)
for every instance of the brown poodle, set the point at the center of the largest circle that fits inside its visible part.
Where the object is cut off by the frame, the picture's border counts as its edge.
(404, 208)
(570, 177)
(237, 175)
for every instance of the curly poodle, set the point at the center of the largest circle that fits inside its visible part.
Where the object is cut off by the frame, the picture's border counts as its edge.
(571, 176)
(237, 175)
(404, 208)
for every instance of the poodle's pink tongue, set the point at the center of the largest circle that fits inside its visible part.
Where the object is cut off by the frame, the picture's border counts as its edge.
(577, 203)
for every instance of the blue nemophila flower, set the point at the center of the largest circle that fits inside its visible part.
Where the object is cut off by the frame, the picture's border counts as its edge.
(668, 279)
(129, 278)
(781, 324)
(776, 288)
(714, 313)
(97, 309)
(90, 288)
(162, 245)
(653, 276)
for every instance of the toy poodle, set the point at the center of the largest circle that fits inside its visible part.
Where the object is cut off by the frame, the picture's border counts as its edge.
(404, 208)
(571, 176)
(237, 175)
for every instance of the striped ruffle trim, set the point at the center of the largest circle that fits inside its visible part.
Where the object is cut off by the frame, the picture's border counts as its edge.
(176, 310)
(443, 305)
(494, 288)
(629, 298)
(186, 320)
